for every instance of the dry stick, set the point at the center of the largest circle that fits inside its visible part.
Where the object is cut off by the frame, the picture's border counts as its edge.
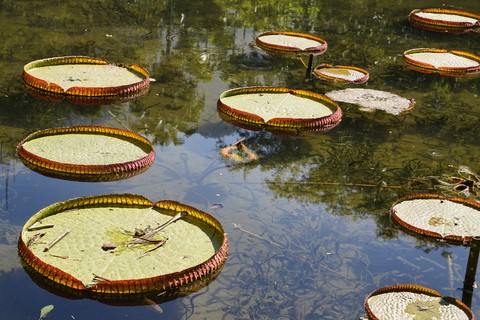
(34, 238)
(348, 184)
(54, 242)
(36, 227)
(159, 228)
(238, 227)
(159, 244)
(97, 278)
(118, 120)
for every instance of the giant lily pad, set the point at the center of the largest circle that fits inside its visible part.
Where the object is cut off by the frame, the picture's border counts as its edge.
(444, 62)
(84, 79)
(86, 153)
(455, 219)
(370, 100)
(341, 74)
(103, 246)
(407, 301)
(445, 20)
(280, 110)
(291, 43)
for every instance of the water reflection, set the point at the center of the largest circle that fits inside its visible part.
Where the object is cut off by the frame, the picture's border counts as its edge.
(338, 243)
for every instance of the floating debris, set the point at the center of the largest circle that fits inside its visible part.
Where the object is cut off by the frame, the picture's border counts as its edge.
(238, 152)
(45, 311)
(370, 100)
(34, 238)
(109, 246)
(216, 206)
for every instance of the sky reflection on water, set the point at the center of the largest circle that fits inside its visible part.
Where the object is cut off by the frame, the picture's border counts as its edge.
(337, 242)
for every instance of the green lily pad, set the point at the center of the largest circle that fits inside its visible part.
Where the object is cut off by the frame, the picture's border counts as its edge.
(407, 301)
(94, 245)
(86, 153)
(280, 110)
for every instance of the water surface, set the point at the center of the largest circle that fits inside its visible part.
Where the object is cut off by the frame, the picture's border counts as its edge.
(324, 239)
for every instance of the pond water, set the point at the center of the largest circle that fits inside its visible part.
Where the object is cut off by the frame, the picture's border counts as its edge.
(308, 225)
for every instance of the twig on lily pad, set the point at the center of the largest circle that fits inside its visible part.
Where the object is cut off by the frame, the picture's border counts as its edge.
(147, 236)
(159, 244)
(54, 242)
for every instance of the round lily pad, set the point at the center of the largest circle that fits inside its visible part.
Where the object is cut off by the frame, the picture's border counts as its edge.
(280, 110)
(291, 43)
(88, 78)
(371, 100)
(444, 62)
(445, 20)
(111, 246)
(408, 301)
(455, 219)
(86, 153)
(341, 74)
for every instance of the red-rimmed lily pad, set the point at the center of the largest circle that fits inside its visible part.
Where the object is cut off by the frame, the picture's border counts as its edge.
(84, 79)
(279, 110)
(445, 20)
(409, 301)
(341, 74)
(444, 62)
(111, 247)
(86, 153)
(370, 100)
(448, 218)
(291, 43)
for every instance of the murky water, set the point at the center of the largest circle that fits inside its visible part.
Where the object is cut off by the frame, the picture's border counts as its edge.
(322, 239)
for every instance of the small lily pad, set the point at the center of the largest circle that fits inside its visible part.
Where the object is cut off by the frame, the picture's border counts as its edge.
(291, 43)
(341, 74)
(45, 311)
